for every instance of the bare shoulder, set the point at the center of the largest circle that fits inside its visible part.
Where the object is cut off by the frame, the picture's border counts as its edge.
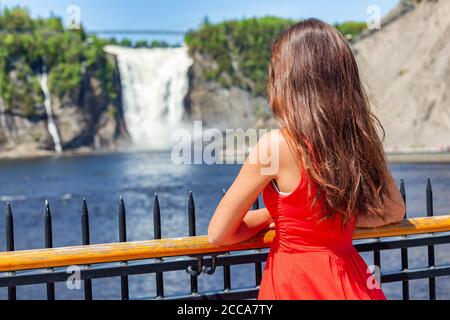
(269, 143)
(270, 151)
(277, 142)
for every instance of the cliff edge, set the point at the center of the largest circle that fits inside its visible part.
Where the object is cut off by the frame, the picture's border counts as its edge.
(406, 69)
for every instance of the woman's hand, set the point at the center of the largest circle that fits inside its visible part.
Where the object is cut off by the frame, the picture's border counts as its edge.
(394, 207)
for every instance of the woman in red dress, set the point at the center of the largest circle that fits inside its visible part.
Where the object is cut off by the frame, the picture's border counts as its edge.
(322, 174)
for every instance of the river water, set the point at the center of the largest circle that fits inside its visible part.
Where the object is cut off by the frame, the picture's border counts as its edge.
(64, 181)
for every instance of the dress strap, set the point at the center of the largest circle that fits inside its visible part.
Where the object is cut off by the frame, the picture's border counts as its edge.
(284, 194)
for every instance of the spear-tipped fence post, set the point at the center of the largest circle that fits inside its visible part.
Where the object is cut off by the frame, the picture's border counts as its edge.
(404, 251)
(9, 228)
(258, 265)
(48, 230)
(431, 254)
(192, 233)
(159, 278)
(86, 240)
(123, 238)
(226, 268)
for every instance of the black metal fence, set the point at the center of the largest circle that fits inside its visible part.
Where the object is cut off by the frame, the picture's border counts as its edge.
(195, 266)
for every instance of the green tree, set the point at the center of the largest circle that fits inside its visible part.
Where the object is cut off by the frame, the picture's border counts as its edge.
(241, 49)
(141, 44)
(351, 28)
(27, 45)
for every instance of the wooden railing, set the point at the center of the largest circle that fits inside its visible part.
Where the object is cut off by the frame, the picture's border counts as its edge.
(128, 251)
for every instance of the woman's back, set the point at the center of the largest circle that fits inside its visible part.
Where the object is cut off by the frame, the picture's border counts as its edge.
(309, 256)
(299, 226)
(290, 201)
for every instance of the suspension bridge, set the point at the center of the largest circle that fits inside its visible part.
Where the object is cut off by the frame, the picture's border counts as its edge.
(136, 32)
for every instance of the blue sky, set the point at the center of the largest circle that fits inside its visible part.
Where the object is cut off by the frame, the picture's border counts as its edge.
(185, 15)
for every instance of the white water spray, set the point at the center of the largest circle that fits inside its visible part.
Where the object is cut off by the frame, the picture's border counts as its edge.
(154, 85)
(52, 129)
(3, 121)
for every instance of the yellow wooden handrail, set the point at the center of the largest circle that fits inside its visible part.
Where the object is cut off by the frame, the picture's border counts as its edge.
(127, 251)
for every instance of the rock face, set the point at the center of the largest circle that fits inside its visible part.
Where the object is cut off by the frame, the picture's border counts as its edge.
(224, 108)
(406, 69)
(85, 119)
(22, 136)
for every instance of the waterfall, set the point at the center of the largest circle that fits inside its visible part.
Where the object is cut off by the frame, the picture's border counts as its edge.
(3, 121)
(52, 129)
(154, 85)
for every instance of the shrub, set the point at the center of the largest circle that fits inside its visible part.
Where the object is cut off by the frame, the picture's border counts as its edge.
(241, 49)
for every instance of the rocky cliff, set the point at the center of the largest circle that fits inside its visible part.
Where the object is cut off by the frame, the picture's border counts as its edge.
(224, 107)
(406, 69)
(228, 78)
(59, 90)
(86, 120)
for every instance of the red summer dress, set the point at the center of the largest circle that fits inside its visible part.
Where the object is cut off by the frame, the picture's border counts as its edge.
(312, 260)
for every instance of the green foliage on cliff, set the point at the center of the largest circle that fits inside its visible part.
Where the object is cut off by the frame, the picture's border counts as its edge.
(239, 51)
(237, 54)
(351, 28)
(29, 46)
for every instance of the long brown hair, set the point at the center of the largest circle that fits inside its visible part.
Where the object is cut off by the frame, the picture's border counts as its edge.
(317, 97)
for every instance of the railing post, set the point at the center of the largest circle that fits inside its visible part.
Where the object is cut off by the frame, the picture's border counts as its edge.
(226, 270)
(403, 191)
(431, 259)
(258, 265)
(86, 241)
(9, 226)
(377, 257)
(404, 251)
(192, 233)
(159, 277)
(48, 230)
(123, 238)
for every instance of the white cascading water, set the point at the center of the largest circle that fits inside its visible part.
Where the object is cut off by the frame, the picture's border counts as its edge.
(3, 121)
(154, 85)
(52, 129)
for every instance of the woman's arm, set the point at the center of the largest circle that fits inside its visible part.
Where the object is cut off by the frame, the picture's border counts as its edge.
(394, 206)
(232, 222)
(253, 222)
